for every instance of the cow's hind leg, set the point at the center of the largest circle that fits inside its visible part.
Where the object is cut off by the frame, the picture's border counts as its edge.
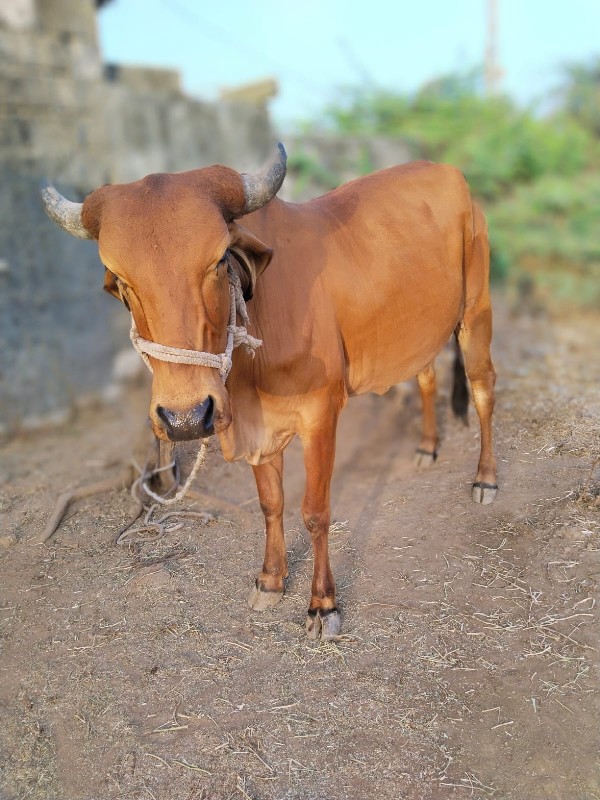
(427, 450)
(270, 583)
(323, 618)
(474, 337)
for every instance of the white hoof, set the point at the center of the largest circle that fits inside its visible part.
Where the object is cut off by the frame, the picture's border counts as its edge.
(484, 493)
(323, 627)
(424, 459)
(259, 600)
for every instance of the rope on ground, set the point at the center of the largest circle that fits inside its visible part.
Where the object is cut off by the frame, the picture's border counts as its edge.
(138, 487)
(131, 534)
(156, 527)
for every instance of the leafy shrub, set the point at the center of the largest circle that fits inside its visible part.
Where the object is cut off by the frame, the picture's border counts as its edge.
(494, 142)
(550, 232)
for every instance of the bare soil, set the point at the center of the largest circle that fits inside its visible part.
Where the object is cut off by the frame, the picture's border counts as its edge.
(468, 664)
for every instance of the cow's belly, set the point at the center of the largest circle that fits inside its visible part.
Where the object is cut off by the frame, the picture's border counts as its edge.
(398, 342)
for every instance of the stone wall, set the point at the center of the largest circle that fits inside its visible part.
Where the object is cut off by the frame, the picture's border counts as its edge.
(154, 127)
(51, 90)
(58, 330)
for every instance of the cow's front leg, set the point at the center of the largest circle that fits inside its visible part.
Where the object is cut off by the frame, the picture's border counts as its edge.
(319, 452)
(269, 585)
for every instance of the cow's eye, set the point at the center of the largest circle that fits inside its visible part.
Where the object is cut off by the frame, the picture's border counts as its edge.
(222, 262)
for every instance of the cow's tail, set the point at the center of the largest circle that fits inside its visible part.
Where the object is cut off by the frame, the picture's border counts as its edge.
(460, 392)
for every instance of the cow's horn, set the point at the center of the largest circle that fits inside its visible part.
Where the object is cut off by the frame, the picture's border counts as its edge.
(65, 213)
(259, 189)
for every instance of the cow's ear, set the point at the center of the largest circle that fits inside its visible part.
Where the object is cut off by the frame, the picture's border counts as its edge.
(112, 286)
(250, 254)
(91, 212)
(110, 283)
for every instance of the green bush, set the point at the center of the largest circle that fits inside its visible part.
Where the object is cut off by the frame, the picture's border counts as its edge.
(308, 169)
(494, 142)
(550, 231)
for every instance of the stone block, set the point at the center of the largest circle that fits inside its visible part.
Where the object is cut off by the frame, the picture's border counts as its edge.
(144, 79)
(18, 15)
(68, 17)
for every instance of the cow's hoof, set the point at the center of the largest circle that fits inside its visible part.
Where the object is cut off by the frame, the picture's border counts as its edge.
(261, 600)
(484, 493)
(424, 458)
(323, 625)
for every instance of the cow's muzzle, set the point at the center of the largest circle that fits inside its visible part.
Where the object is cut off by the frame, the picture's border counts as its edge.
(198, 423)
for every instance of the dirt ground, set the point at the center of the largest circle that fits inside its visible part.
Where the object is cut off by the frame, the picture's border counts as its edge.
(468, 664)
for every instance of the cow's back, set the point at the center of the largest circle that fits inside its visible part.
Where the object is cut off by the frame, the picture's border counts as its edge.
(369, 276)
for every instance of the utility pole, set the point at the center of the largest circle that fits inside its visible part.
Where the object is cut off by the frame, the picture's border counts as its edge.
(492, 70)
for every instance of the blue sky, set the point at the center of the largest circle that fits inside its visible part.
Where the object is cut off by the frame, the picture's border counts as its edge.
(316, 47)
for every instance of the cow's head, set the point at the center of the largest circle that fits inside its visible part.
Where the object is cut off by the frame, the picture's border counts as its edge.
(165, 241)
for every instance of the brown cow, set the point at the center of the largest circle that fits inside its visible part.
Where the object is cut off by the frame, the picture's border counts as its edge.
(365, 287)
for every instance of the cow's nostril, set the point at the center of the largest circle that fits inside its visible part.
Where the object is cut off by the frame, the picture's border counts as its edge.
(197, 423)
(209, 413)
(168, 418)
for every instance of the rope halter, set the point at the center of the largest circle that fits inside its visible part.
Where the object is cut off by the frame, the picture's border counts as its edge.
(236, 335)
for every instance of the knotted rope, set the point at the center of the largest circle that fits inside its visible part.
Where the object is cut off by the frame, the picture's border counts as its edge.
(237, 335)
